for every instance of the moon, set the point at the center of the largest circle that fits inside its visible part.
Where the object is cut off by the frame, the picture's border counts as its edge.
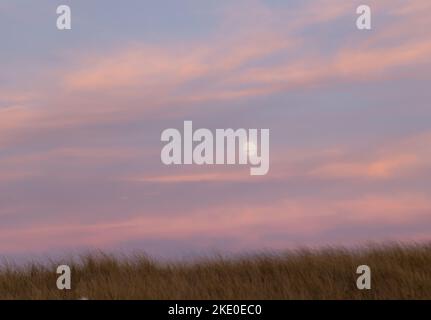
(250, 148)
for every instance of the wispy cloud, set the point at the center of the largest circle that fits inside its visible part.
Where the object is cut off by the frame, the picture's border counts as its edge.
(80, 140)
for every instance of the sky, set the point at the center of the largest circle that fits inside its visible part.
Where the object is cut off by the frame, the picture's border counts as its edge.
(82, 111)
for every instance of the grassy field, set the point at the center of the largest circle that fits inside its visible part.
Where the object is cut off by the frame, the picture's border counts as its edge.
(398, 272)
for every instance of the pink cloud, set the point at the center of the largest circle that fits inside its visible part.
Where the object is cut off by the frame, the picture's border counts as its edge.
(235, 63)
(295, 218)
(379, 168)
(221, 67)
(196, 177)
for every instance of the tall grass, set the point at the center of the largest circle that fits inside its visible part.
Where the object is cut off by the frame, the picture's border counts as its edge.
(398, 272)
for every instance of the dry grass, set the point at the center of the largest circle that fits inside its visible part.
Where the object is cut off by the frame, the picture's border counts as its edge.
(398, 272)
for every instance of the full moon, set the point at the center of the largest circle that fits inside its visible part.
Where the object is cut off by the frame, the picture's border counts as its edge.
(250, 148)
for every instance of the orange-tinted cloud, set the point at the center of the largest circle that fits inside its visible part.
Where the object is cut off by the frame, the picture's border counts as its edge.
(379, 168)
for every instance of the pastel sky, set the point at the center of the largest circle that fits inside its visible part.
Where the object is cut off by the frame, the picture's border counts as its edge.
(81, 113)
